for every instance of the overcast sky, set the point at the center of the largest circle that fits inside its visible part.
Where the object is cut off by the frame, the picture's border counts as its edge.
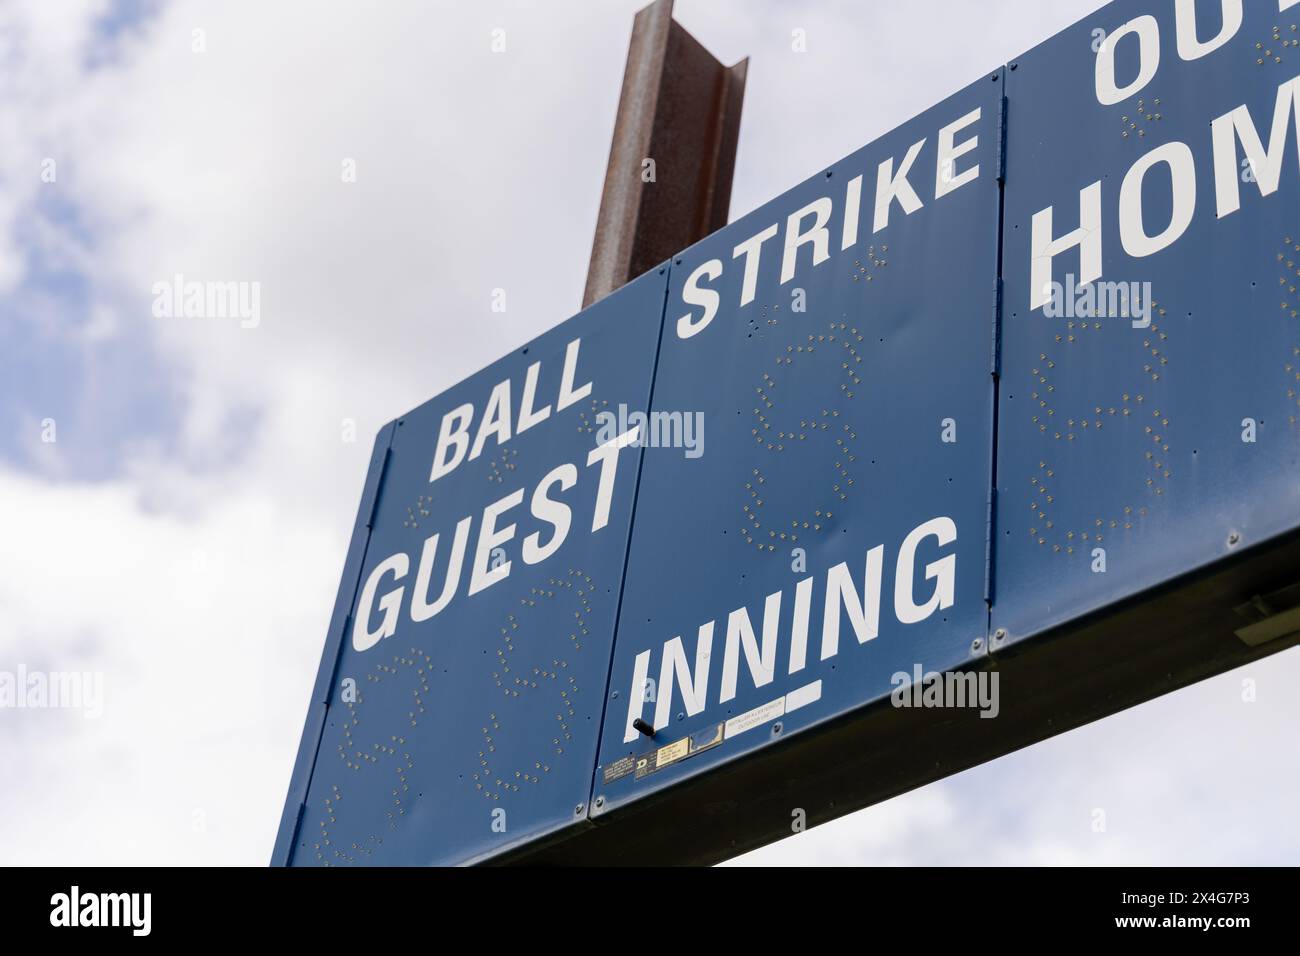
(185, 532)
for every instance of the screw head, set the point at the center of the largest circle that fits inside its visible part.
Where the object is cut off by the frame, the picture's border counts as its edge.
(577, 811)
(1000, 635)
(976, 644)
(600, 802)
(1233, 539)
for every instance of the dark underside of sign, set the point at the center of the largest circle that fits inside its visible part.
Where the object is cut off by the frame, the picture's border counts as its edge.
(1150, 645)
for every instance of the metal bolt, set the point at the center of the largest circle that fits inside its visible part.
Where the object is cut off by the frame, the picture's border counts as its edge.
(1000, 635)
(1233, 539)
(577, 811)
(600, 802)
(976, 644)
(776, 729)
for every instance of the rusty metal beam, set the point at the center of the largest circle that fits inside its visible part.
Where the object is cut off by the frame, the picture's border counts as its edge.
(680, 108)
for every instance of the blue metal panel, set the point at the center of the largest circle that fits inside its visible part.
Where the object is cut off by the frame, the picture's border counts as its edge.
(823, 402)
(318, 708)
(1126, 439)
(820, 510)
(475, 729)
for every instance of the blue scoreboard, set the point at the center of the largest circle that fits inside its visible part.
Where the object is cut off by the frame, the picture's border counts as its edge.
(1007, 398)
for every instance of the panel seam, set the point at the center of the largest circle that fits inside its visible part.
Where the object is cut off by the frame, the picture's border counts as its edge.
(627, 551)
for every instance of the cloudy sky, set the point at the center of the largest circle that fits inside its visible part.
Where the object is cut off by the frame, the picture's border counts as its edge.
(184, 533)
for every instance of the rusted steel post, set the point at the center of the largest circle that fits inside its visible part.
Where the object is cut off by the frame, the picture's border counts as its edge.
(668, 183)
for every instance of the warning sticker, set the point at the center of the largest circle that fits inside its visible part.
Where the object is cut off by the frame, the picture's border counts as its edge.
(672, 753)
(620, 769)
(753, 718)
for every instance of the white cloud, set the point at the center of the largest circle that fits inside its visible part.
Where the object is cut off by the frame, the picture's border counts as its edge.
(203, 625)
